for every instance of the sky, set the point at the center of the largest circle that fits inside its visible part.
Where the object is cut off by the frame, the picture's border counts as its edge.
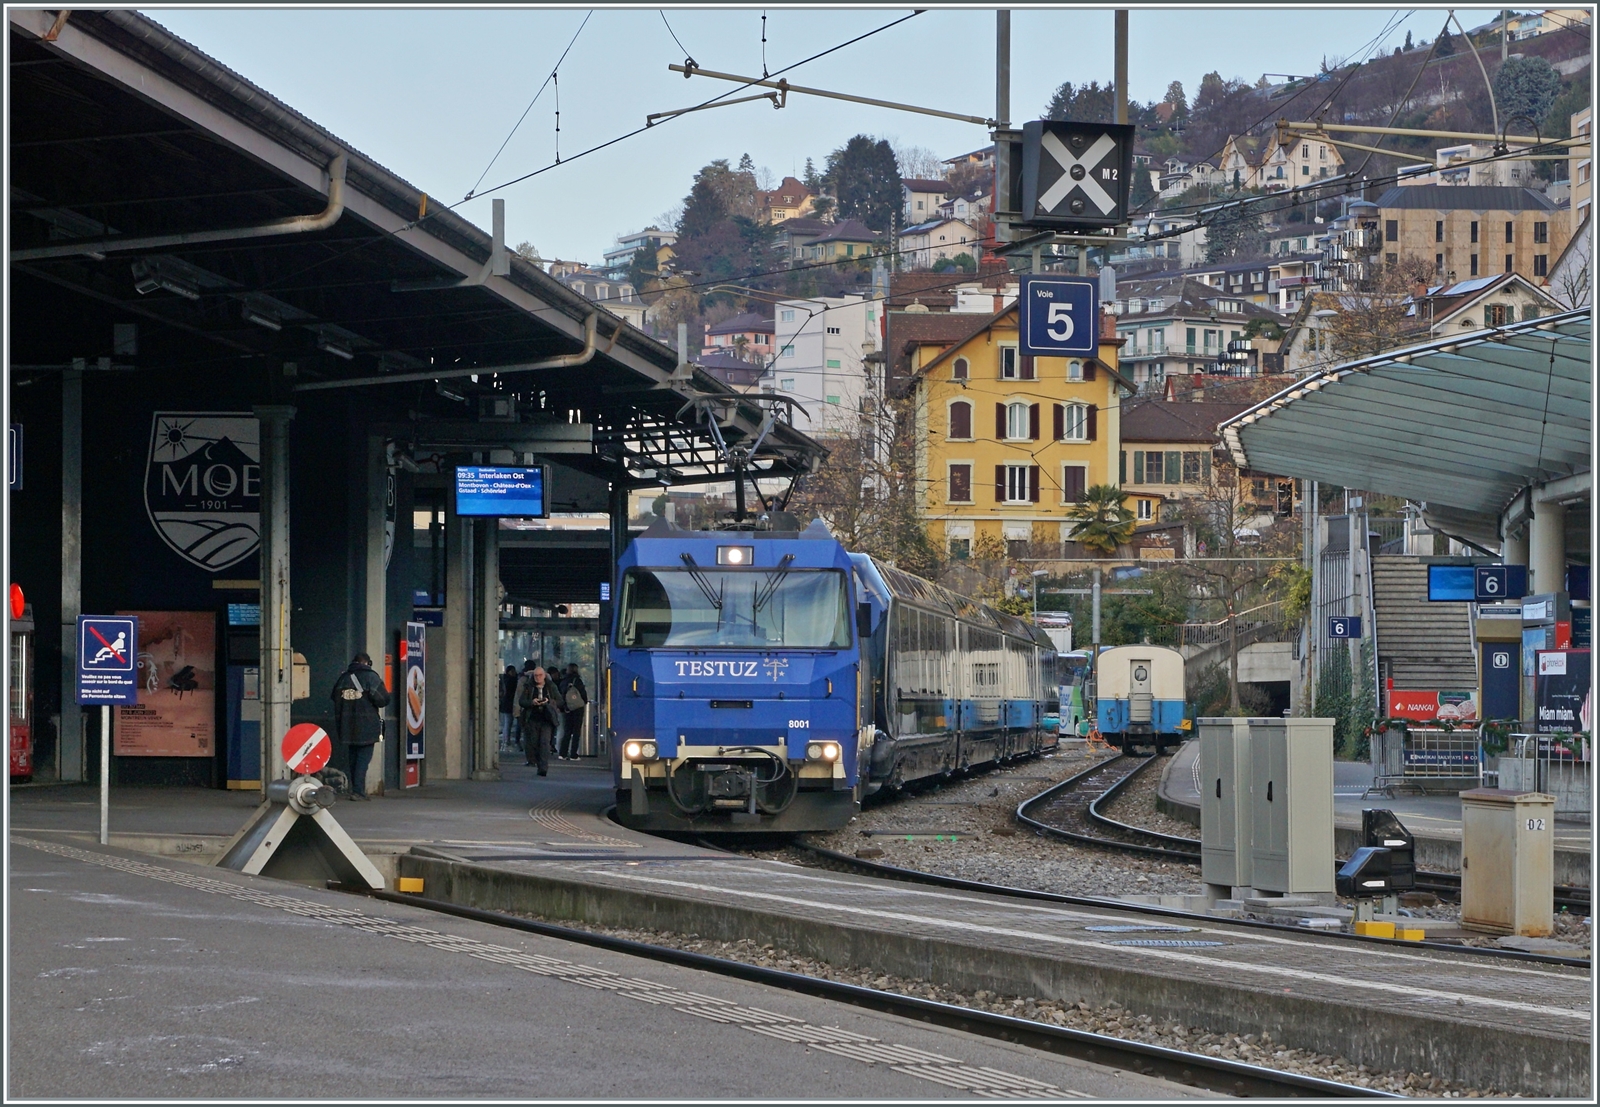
(431, 94)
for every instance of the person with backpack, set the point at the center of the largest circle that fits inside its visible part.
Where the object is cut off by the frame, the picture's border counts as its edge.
(574, 698)
(537, 699)
(358, 700)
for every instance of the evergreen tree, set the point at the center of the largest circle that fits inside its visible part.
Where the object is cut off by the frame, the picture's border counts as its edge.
(747, 165)
(865, 181)
(1446, 46)
(1526, 86)
(1088, 103)
(1408, 40)
(811, 180)
(1235, 233)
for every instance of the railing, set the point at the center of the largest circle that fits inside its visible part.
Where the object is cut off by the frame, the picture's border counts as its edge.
(1251, 620)
(1560, 765)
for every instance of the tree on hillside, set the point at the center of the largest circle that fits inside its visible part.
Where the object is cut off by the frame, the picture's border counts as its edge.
(1104, 522)
(1088, 103)
(1408, 40)
(1220, 108)
(1235, 232)
(1446, 46)
(866, 181)
(812, 180)
(919, 163)
(1367, 321)
(1526, 86)
(642, 266)
(1141, 193)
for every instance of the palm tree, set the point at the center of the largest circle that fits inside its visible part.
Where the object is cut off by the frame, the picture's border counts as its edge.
(1103, 522)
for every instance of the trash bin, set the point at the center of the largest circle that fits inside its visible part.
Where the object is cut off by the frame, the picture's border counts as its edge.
(1508, 856)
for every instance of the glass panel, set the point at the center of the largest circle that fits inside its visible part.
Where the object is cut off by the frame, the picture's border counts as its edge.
(738, 609)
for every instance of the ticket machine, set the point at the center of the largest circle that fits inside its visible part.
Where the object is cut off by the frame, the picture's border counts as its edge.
(242, 650)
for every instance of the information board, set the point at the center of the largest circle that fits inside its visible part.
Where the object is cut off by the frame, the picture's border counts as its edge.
(107, 648)
(499, 491)
(175, 714)
(1452, 583)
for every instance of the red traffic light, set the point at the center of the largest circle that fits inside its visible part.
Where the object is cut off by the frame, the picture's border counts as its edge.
(18, 603)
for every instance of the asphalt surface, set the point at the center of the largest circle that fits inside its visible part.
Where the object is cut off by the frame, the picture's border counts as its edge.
(139, 977)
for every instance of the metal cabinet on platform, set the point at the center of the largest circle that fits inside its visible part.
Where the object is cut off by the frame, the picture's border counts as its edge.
(1291, 771)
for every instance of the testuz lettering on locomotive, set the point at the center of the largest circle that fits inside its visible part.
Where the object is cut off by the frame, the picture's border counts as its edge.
(769, 680)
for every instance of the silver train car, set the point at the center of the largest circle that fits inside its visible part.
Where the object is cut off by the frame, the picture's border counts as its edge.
(955, 684)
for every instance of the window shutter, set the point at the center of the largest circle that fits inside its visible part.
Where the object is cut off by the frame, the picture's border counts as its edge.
(1138, 467)
(999, 484)
(1174, 467)
(1089, 429)
(1027, 365)
(1033, 422)
(1059, 422)
(1122, 466)
(1033, 484)
(1000, 421)
(1205, 467)
(1088, 369)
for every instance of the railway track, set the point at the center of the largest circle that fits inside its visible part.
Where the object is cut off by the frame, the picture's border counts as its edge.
(1071, 811)
(1215, 1074)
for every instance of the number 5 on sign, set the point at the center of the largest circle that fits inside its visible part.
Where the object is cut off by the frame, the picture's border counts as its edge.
(1059, 314)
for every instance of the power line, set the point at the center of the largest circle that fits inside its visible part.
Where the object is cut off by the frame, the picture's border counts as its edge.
(687, 60)
(649, 126)
(550, 77)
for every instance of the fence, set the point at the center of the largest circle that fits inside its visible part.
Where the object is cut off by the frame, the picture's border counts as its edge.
(1250, 621)
(1422, 760)
(1561, 767)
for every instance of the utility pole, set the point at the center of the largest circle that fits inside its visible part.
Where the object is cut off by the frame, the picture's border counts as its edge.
(1120, 78)
(1002, 71)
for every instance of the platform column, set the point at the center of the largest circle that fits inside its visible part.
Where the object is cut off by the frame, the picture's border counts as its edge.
(379, 643)
(1547, 547)
(1515, 548)
(276, 653)
(70, 744)
(486, 763)
(457, 622)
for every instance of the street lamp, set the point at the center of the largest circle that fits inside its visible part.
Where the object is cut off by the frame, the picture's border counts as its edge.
(1036, 574)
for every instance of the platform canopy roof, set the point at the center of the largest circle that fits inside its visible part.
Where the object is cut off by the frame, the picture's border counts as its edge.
(142, 172)
(1462, 423)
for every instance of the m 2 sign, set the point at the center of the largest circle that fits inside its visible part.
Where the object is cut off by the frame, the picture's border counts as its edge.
(1059, 316)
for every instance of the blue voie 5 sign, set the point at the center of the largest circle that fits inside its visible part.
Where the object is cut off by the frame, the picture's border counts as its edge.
(1344, 626)
(108, 658)
(1059, 316)
(491, 490)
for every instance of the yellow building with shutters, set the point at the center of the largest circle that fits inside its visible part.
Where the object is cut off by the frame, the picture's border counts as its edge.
(1008, 442)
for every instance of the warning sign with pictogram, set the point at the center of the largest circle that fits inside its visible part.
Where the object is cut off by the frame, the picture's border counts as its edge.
(108, 651)
(1076, 174)
(306, 748)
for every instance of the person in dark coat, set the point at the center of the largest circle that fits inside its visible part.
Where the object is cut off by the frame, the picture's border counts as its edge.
(358, 700)
(538, 700)
(572, 709)
(508, 707)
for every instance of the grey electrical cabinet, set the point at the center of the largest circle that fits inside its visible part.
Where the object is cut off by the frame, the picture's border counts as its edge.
(1225, 812)
(1291, 774)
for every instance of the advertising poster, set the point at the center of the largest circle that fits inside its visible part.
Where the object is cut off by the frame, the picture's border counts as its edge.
(414, 657)
(1561, 692)
(177, 686)
(1427, 707)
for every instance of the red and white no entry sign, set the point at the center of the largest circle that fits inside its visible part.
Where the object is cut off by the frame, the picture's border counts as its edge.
(306, 748)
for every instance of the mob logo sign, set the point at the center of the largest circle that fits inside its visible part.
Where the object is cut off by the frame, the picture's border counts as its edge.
(202, 485)
(1059, 316)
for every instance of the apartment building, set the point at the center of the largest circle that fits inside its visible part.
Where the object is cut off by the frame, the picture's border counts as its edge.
(1177, 324)
(822, 346)
(1471, 230)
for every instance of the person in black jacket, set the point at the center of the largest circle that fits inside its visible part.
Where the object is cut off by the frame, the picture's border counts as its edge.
(537, 698)
(358, 699)
(508, 708)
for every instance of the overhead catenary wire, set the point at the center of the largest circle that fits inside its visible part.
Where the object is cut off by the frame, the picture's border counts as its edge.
(548, 78)
(687, 59)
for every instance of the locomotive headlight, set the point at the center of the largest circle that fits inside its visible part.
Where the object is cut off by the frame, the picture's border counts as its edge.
(736, 555)
(830, 751)
(633, 750)
(814, 751)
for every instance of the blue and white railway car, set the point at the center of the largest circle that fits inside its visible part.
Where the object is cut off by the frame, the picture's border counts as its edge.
(1139, 697)
(768, 680)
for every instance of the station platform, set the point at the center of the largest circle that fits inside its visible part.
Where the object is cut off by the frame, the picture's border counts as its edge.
(1435, 821)
(542, 846)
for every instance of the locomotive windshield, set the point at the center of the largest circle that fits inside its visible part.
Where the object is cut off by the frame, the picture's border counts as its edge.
(699, 607)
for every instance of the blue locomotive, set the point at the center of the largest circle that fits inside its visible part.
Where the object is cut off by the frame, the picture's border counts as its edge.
(769, 680)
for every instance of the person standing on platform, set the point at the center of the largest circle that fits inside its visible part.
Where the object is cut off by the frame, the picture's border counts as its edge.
(358, 700)
(540, 714)
(574, 698)
(508, 707)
